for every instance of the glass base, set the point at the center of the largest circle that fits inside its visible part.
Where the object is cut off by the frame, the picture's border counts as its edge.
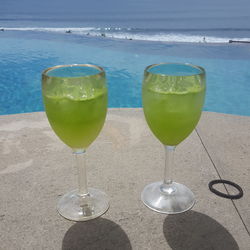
(168, 199)
(75, 207)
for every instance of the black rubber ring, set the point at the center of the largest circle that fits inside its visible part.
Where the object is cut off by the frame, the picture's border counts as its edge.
(228, 196)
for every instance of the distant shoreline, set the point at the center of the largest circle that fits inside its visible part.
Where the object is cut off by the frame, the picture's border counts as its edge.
(236, 41)
(132, 34)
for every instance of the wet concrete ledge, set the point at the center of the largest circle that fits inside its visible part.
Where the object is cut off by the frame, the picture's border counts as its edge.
(36, 168)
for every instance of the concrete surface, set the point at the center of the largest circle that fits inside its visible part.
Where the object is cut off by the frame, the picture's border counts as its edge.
(227, 140)
(36, 168)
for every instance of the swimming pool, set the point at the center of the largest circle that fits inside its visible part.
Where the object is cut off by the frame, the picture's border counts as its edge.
(25, 54)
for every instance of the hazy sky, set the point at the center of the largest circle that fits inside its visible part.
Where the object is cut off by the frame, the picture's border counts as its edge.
(82, 5)
(78, 6)
(228, 13)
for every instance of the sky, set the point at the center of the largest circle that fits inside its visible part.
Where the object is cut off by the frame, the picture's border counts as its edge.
(152, 13)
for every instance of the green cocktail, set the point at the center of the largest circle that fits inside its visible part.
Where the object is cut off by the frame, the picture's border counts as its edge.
(173, 96)
(171, 114)
(75, 100)
(77, 122)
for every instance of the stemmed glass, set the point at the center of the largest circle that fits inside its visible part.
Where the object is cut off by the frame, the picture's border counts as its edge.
(75, 99)
(173, 96)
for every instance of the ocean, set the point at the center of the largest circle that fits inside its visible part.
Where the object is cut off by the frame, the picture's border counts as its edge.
(213, 21)
(124, 37)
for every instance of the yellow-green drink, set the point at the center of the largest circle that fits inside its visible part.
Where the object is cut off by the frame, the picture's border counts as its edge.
(172, 115)
(77, 122)
(76, 106)
(173, 96)
(75, 100)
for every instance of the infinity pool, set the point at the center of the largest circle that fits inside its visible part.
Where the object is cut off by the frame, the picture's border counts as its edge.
(23, 56)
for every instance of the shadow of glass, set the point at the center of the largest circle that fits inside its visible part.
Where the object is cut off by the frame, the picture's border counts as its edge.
(193, 230)
(96, 234)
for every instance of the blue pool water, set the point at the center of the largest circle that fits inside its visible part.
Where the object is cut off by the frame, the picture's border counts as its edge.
(24, 55)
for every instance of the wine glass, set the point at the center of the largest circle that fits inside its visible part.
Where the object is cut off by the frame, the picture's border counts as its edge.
(173, 96)
(75, 99)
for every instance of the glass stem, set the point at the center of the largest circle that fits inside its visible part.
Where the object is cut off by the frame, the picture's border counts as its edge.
(169, 161)
(82, 173)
